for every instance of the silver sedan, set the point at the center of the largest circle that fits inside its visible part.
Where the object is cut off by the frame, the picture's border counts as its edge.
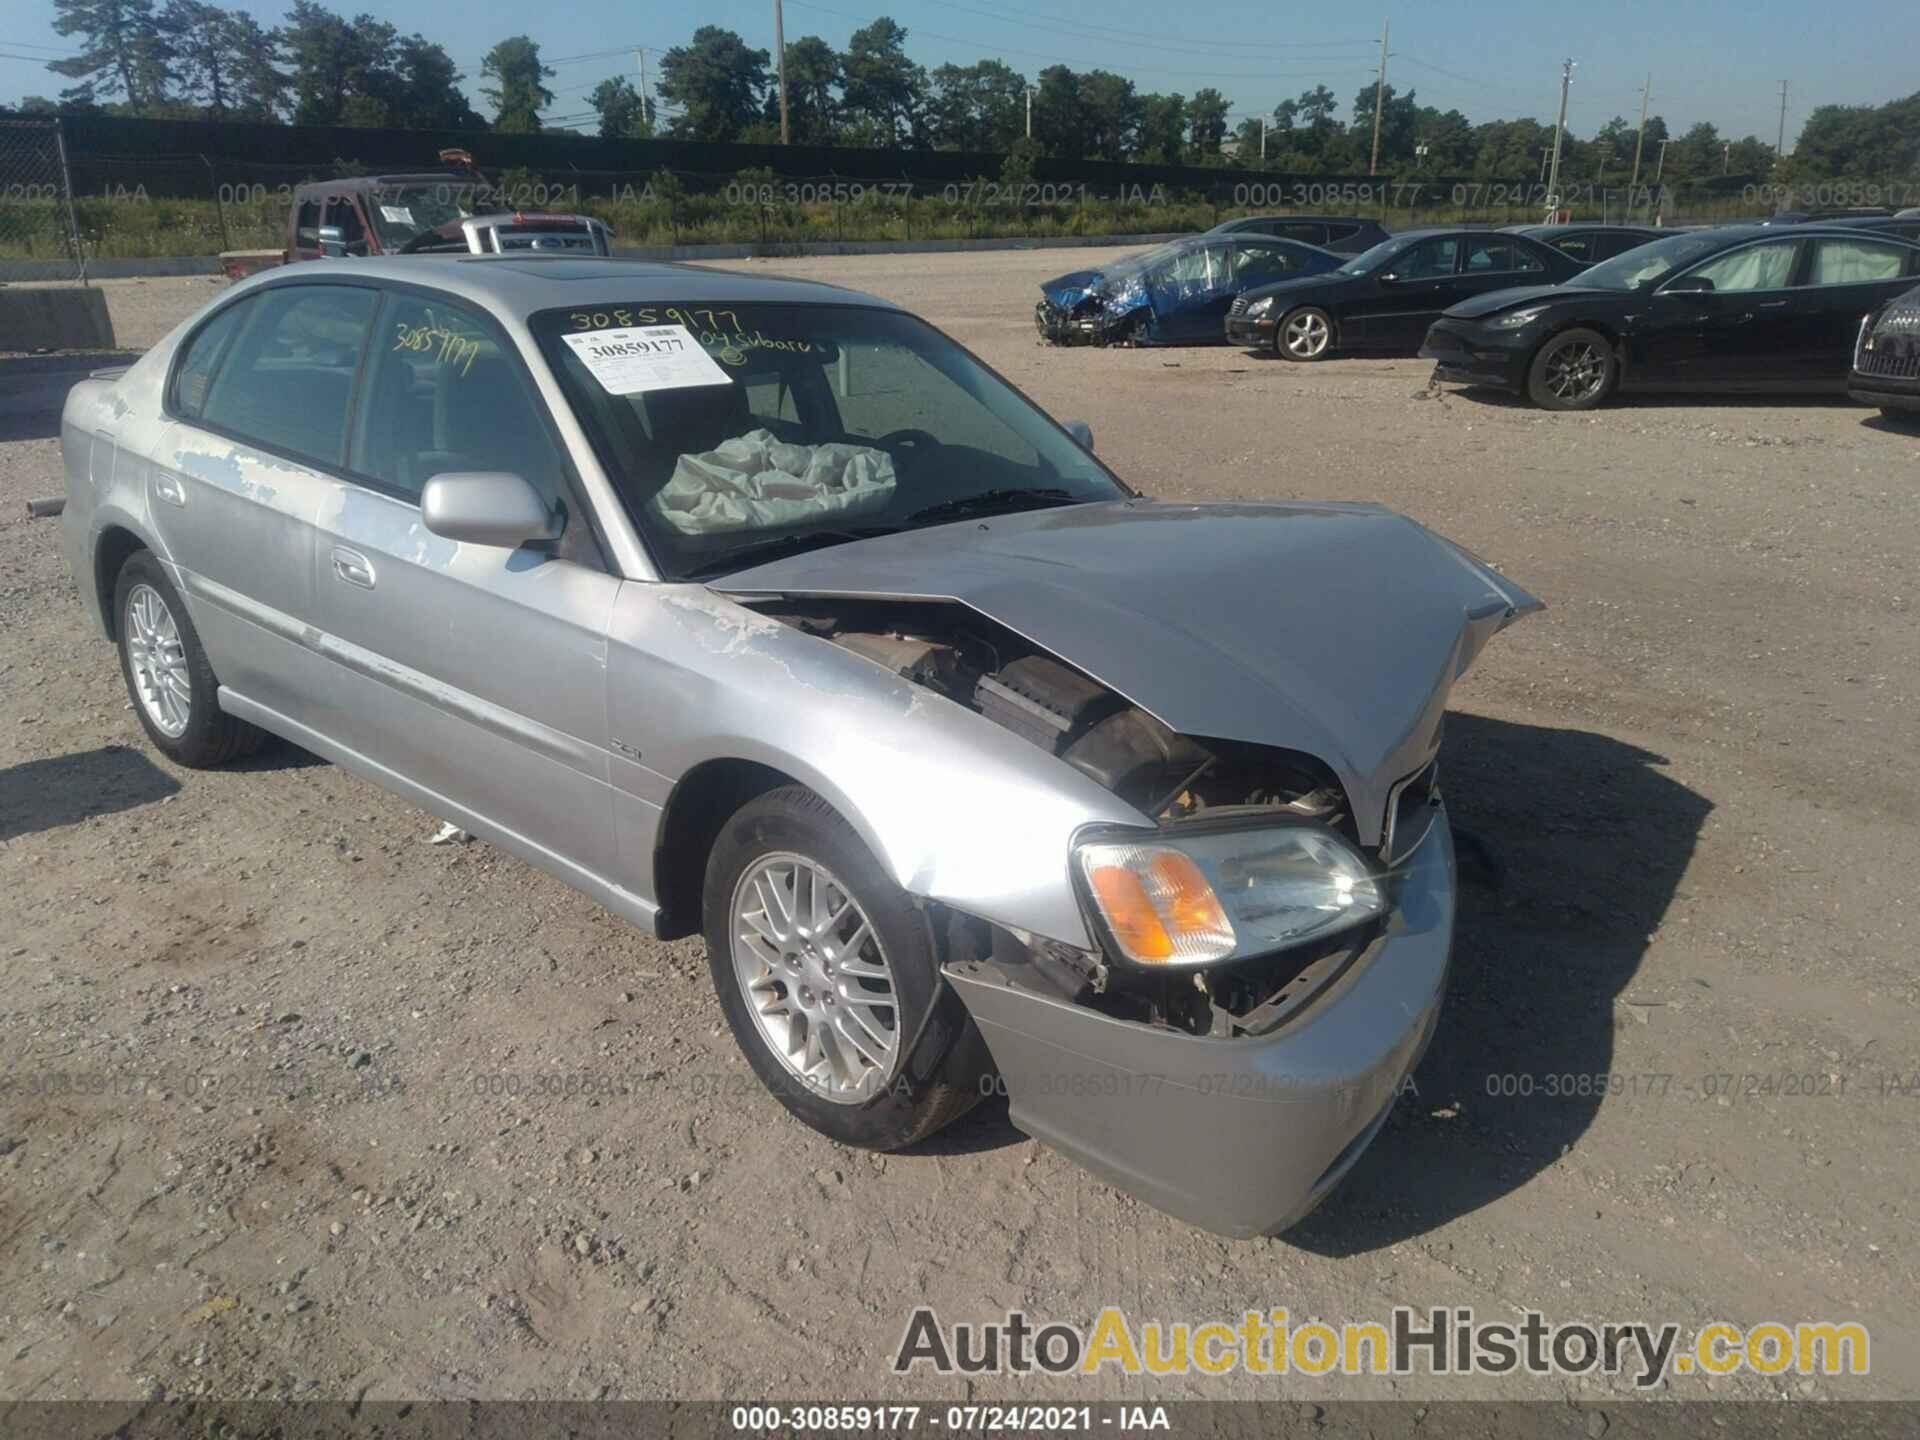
(761, 610)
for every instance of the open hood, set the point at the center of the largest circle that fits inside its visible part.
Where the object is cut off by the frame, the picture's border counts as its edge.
(1335, 630)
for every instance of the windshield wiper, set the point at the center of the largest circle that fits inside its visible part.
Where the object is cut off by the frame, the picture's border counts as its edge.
(740, 556)
(995, 501)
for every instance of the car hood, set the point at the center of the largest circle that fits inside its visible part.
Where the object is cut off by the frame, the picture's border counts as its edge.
(1326, 283)
(1494, 301)
(1332, 629)
(1068, 290)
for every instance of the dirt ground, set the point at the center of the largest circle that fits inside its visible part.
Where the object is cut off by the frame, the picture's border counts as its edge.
(298, 1104)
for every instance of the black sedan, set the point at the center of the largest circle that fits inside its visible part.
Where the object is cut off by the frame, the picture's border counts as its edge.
(1587, 241)
(1886, 358)
(1342, 234)
(1743, 308)
(1384, 300)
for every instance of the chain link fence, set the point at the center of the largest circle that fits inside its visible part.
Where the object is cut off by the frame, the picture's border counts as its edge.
(37, 222)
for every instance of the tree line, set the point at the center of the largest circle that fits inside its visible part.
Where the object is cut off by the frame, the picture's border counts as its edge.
(190, 59)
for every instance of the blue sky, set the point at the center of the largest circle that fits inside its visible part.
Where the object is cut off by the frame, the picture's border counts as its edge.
(1717, 60)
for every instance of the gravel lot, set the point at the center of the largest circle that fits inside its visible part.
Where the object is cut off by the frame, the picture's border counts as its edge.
(287, 1109)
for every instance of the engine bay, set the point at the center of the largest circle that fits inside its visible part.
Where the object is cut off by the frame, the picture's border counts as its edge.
(1172, 778)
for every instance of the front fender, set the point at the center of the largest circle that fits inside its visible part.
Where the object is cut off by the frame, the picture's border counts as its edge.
(956, 808)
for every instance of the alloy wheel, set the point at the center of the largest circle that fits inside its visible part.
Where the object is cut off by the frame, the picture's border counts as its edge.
(158, 661)
(1575, 370)
(1306, 335)
(815, 977)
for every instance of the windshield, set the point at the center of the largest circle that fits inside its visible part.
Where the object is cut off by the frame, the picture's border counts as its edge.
(1648, 264)
(1367, 261)
(732, 430)
(403, 212)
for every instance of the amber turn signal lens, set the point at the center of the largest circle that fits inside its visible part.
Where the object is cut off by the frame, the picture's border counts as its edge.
(1185, 897)
(1123, 900)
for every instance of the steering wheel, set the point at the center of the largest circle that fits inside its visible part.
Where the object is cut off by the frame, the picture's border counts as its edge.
(908, 436)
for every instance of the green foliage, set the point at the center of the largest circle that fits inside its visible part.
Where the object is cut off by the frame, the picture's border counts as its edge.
(519, 90)
(623, 116)
(717, 82)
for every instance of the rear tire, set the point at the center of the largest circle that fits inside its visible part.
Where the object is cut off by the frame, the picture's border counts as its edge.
(169, 679)
(1304, 335)
(1574, 370)
(916, 1061)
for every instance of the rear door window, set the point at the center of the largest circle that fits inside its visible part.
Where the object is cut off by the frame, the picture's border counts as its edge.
(195, 370)
(1856, 262)
(287, 382)
(1257, 264)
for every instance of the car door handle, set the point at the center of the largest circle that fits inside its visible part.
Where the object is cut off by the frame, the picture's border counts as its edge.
(170, 490)
(353, 567)
(1772, 305)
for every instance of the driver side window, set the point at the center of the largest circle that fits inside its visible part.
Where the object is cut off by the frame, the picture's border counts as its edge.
(441, 395)
(1429, 260)
(1758, 267)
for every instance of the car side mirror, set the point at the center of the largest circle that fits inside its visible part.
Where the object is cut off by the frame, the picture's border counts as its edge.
(333, 241)
(1690, 285)
(487, 507)
(1082, 434)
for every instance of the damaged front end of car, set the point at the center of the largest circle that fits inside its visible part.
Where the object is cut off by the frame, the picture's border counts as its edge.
(1090, 308)
(1265, 905)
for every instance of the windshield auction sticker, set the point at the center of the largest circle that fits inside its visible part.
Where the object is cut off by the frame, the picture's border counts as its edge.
(640, 358)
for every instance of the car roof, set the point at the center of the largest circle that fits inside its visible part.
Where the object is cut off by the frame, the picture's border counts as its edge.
(1572, 226)
(1284, 215)
(355, 184)
(521, 285)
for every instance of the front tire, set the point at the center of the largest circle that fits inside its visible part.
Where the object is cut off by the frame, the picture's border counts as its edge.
(830, 981)
(1574, 370)
(1304, 335)
(169, 679)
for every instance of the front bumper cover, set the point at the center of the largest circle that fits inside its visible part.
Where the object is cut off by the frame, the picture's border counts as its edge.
(1890, 392)
(1469, 354)
(1253, 334)
(1240, 1136)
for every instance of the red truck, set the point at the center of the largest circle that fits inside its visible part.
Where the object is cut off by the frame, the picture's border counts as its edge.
(435, 212)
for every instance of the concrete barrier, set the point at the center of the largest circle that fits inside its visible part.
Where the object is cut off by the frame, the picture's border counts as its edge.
(54, 317)
(163, 265)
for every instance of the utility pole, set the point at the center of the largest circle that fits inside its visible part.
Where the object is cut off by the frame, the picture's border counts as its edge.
(1559, 129)
(1379, 97)
(1263, 139)
(1029, 112)
(640, 59)
(1640, 136)
(1780, 147)
(780, 48)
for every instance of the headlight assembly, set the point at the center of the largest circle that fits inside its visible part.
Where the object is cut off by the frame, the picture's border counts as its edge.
(1218, 895)
(1514, 319)
(1259, 307)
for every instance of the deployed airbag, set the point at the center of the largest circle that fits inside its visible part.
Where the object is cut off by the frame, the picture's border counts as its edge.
(758, 482)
